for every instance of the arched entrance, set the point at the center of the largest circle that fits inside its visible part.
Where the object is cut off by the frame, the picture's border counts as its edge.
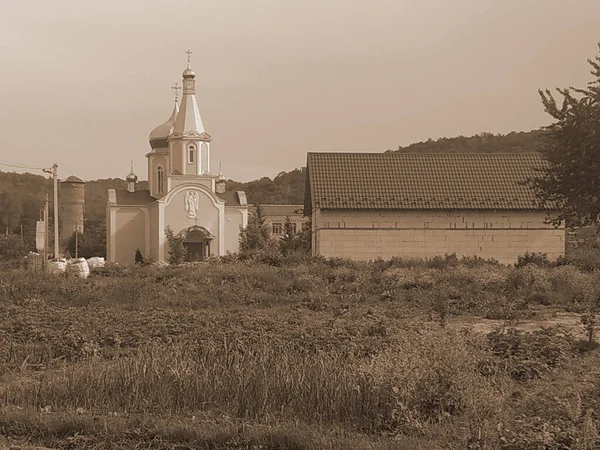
(197, 243)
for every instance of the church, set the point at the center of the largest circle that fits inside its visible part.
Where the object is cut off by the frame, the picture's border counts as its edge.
(183, 194)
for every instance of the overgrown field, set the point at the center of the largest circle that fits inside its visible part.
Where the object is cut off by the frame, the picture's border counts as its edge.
(307, 354)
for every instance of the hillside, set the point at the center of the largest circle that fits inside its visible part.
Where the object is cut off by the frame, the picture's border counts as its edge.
(522, 141)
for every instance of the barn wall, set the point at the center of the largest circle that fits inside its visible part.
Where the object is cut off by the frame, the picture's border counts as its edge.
(502, 235)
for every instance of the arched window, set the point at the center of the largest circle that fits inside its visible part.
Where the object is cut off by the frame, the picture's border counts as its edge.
(191, 154)
(160, 180)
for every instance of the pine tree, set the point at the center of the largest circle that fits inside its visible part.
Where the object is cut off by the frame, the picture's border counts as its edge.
(177, 250)
(288, 241)
(256, 235)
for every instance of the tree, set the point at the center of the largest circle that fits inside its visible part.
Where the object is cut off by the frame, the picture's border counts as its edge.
(572, 147)
(12, 248)
(256, 235)
(177, 250)
(11, 209)
(288, 240)
(92, 242)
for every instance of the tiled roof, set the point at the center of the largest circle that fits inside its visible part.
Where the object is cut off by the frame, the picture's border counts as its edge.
(421, 180)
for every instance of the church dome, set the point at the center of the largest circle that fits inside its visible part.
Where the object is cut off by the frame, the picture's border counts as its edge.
(132, 177)
(158, 136)
(188, 73)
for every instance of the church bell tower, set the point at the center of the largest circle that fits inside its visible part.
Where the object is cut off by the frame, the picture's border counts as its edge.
(189, 143)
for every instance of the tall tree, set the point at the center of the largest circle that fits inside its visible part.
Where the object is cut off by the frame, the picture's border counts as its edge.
(288, 239)
(256, 235)
(573, 149)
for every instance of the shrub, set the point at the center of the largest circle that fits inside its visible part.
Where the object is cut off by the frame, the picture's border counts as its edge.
(530, 355)
(538, 259)
(177, 250)
(585, 257)
(12, 248)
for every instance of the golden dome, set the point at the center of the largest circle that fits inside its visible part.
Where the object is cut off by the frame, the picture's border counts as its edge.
(158, 136)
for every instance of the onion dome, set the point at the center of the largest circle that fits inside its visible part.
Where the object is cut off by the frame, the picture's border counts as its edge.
(132, 177)
(158, 136)
(188, 73)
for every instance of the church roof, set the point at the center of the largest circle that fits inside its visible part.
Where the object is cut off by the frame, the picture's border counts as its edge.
(73, 179)
(188, 121)
(158, 136)
(231, 198)
(421, 180)
(137, 198)
(142, 197)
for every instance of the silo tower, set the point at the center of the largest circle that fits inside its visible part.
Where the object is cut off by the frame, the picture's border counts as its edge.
(72, 205)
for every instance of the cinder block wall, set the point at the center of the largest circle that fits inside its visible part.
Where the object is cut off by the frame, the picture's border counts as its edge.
(502, 235)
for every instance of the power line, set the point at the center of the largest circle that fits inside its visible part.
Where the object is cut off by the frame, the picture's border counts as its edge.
(22, 167)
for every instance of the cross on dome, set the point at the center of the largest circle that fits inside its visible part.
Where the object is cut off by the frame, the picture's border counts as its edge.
(189, 55)
(176, 88)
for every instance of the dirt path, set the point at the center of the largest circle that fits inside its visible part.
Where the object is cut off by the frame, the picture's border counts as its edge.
(569, 321)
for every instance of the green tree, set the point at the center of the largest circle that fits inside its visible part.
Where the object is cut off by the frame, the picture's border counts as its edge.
(92, 242)
(256, 235)
(304, 239)
(12, 248)
(177, 250)
(288, 239)
(11, 209)
(572, 148)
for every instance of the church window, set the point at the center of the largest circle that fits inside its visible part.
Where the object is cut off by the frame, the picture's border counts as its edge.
(160, 180)
(191, 154)
(277, 228)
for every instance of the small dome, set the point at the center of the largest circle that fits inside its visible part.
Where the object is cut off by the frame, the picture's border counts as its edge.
(158, 136)
(188, 73)
(131, 178)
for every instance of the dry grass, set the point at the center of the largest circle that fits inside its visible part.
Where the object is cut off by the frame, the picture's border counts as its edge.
(320, 355)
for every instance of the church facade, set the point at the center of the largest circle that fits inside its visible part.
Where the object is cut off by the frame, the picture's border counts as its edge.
(183, 194)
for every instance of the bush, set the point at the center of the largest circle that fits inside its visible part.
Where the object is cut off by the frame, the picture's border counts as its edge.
(530, 355)
(12, 248)
(538, 259)
(585, 257)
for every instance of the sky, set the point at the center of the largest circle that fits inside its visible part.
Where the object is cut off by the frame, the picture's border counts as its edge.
(83, 83)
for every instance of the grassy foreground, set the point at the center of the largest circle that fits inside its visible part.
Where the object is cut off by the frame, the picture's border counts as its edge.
(306, 355)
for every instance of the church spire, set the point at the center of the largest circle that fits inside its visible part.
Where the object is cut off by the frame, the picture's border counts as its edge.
(189, 122)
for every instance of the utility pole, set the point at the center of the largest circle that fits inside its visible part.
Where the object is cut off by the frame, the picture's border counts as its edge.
(54, 172)
(55, 176)
(46, 231)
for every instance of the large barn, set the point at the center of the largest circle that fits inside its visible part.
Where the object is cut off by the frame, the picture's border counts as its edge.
(419, 205)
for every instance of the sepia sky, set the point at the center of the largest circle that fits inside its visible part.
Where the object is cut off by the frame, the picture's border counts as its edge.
(83, 83)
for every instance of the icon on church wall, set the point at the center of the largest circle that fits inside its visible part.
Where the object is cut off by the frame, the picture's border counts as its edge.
(191, 203)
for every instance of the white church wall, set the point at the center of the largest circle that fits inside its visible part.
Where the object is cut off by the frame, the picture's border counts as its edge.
(179, 180)
(502, 235)
(209, 214)
(154, 233)
(235, 218)
(154, 161)
(130, 233)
